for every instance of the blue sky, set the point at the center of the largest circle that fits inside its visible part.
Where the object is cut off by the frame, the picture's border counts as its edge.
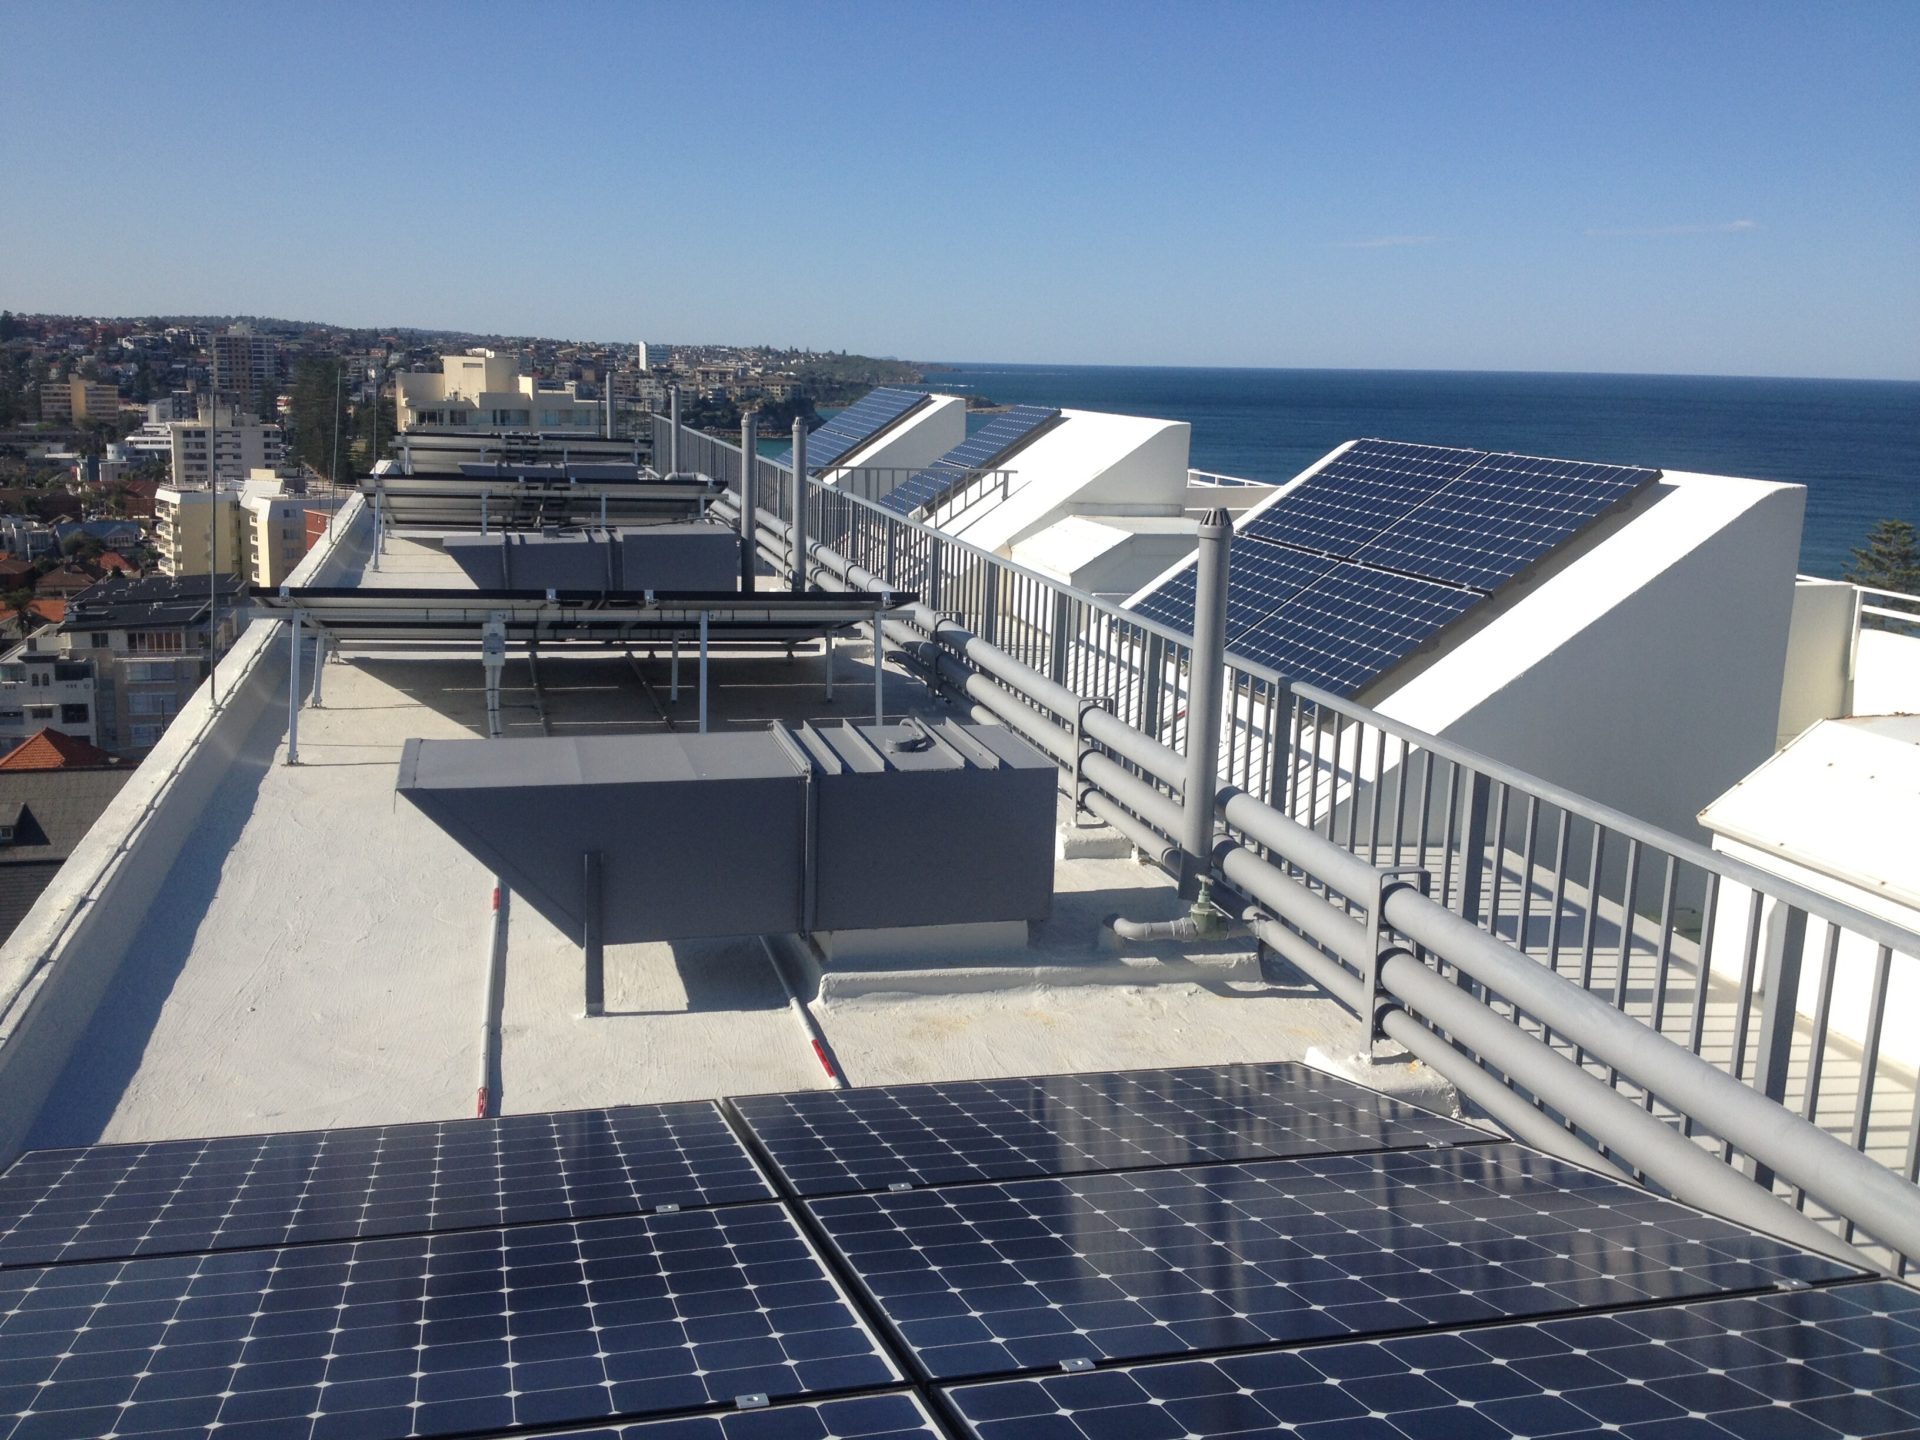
(1655, 187)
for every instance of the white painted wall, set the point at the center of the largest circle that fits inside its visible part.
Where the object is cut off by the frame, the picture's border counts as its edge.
(1108, 557)
(919, 440)
(1815, 685)
(1088, 464)
(1886, 673)
(1646, 672)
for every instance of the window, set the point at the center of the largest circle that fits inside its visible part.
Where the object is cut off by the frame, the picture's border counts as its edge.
(157, 642)
(98, 639)
(39, 712)
(145, 735)
(76, 714)
(152, 702)
(150, 672)
(37, 677)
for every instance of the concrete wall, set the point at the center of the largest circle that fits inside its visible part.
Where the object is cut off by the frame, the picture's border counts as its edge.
(1815, 686)
(1105, 558)
(1886, 673)
(72, 944)
(1646, 673)
(914, 444)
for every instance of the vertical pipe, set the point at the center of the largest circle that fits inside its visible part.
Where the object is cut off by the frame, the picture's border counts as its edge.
(293, 694)
(319, 666)
(749, 502)
(879, 664)
(1203, 698)
(703, 672)
(673, 673)
(1781, 1008)
(829, 650)
(593, 952)
(673, 431)
(799, 506)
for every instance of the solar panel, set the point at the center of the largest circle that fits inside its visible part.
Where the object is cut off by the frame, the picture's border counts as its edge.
(1810, 1363)
(1500, 517)
(854, 426)
(180, 1196)
(1358, 494)
(435, 1334)
(827, 1142)
(982, 450)
(1372, 556)
(1351, 626)
(1003, 1277)
(858, 1417)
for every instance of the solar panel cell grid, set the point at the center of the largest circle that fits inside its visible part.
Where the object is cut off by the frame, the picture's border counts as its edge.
(1804, 1365)
(1021, 1275)
(433, 1335)
(860, 1417)
(833, 1141)
(979, 451)
(238, 1192)
(1358, 494)
(854, 426)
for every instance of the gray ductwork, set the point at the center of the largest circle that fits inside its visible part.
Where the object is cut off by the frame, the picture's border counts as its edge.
(860, 827)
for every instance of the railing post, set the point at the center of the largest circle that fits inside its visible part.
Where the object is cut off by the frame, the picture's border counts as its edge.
(592, 950)
(1473, 840)
(749, 508)
(673, 430)
(1204, 683)
(1062, 618)
(799, 516)
(1780, 1008)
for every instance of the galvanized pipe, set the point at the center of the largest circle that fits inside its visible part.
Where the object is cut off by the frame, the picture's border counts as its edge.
(1343, 871)
(1156, 807)
(1832, 1172)
(673, 431)
(293, 692)
(1206, 675)
(485, 1096)
(1155, 847)
(799, 525)
(749, 499)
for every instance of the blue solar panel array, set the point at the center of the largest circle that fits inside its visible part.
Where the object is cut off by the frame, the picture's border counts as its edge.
(1380, 550)
(239, 1192)
(828, 1142)
(854, 426)
(982, 450)
(1003, 1277)
(1805, 1365)
(1059, 1258)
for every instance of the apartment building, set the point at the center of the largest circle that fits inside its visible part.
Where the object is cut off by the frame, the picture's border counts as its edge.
(224, 441)
(242, 360)
(257, 530)
(78, 399)
(479, 409)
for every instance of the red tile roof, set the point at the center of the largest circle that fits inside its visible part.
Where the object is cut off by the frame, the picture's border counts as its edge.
(52, 749)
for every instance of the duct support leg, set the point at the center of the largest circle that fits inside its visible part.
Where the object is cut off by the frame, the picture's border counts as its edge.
(319, 666)
(592, 951)
(879, 665)
(1206, 679)
(703, 672)
(293, 692)
(673, 673)
(829, 652)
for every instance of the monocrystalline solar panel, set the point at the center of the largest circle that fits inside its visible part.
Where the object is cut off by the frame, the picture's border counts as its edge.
(1500, 517)
(1358, 494)
(1012, 1276)
(827, 1142)
(854, 426)
(1407, 538)
(858, 1417)
(1350, 627)
(434, 1334)
(982, 450)
(239, 1192)
(1801, 1365)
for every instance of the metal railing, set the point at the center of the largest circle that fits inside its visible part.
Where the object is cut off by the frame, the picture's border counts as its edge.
(1331, 810)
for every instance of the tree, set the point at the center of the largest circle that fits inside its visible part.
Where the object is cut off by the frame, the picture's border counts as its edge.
(316, 416)
(1889, 560)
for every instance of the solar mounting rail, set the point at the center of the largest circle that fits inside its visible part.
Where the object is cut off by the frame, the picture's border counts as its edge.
(521, 499)
(579, 616)
(1385, 546)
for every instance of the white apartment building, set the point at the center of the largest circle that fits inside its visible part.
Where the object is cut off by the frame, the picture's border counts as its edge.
(38, 690)
(484, 391)
(257, 530)
(223, 440)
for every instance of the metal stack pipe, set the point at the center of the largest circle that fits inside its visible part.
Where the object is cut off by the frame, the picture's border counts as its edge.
(799, 526)
(749, 500)
(673, 431)
(1205, 682)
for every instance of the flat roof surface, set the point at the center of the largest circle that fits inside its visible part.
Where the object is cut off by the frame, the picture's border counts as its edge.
(318, 955)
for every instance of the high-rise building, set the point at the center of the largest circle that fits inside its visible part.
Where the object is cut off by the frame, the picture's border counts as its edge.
(655, 356)
(243, 360)
(222, 439)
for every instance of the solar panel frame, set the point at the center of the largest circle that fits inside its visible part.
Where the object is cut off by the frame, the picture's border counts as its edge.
(855, 426)
(1012, 1276)
(437, 1334)
(241, 1192)
(1501, 517)
(1839, 1360)
(982, 450)
(894, 1416)
(829, 1142)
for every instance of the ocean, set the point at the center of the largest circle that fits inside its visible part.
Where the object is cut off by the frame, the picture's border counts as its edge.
(1855, 444)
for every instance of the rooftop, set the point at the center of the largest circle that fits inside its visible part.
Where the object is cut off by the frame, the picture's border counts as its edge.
(51, 749)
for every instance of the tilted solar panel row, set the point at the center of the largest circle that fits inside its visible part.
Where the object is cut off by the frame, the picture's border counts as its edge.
(1370, 558)
(983, 450)
(854, 426)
